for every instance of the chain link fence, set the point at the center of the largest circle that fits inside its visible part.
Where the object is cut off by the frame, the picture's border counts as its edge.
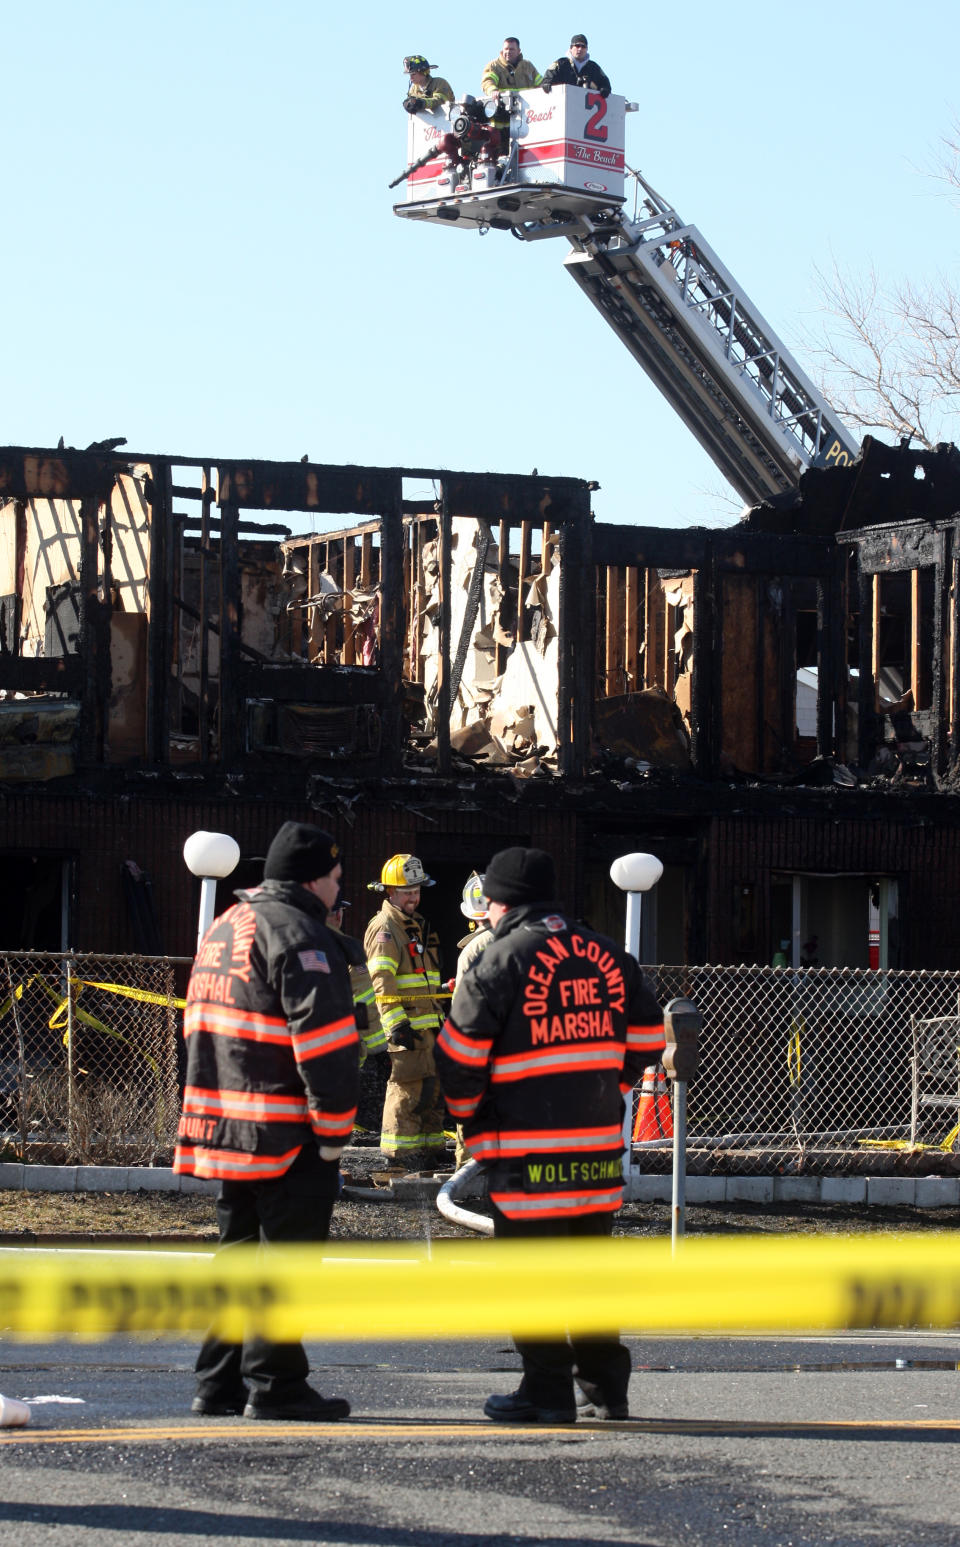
(88, 1059)
(815, 1069)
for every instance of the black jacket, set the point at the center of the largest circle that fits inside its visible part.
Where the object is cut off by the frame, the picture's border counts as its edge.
(549, 1030)
(563, 73)
(272, 1045)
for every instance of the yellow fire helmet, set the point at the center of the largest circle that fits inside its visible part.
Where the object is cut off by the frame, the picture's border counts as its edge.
(475, 904)
(401, 870)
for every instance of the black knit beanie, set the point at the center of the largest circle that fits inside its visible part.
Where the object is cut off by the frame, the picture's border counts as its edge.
(300, 852)
(515, 876)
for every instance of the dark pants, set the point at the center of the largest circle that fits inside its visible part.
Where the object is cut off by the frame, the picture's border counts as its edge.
(601, 1365)
(293, 1207)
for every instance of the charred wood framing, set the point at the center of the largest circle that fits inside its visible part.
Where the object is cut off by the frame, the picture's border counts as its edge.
(231, 701)
(478, 601)
(160, 633)
(393, 625)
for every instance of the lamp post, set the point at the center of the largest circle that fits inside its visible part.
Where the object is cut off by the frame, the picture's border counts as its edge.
(210, 856)
(634, 874)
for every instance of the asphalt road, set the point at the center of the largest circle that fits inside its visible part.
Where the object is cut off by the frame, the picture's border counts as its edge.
(841, 1440)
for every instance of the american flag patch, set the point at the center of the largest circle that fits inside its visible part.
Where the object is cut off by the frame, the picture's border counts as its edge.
(313, 961)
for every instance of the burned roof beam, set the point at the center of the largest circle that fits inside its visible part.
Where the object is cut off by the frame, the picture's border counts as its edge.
(748, 552)
(35, 473)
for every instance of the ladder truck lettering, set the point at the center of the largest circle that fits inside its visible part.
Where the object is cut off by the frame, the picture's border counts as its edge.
(593, 129)
(836, 455)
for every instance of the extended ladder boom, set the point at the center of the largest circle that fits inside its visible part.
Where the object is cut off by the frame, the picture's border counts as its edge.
(702, 341)
(559, 171)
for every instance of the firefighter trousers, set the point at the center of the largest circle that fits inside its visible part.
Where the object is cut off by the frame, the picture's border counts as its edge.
(293, 1207)
(600, 1365)
(412, 1118)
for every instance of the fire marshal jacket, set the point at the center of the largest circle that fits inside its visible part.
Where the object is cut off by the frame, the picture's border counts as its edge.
(404, 960)
(272, 1045)
(548, 1032)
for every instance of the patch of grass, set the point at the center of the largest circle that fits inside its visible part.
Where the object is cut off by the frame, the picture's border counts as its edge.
(105, 1213)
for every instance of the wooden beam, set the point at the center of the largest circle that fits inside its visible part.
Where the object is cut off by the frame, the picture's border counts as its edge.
(631, 631)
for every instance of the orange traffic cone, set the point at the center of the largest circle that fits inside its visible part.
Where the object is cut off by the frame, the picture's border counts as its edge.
(654, 1118)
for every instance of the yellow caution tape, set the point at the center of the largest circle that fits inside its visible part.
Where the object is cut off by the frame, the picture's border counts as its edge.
(438, 993)
(145, 995)
(486, 1288)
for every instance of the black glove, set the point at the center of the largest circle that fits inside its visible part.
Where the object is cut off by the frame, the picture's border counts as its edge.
(361, 1016)
(605, 93)
(405, 1037)
(413, 104)
(546, 86)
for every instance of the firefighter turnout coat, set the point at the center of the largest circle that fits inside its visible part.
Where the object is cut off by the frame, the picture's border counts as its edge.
(547, 1034)
(500, 76)
(403, 957)
(373, 1038)
(272, 1045)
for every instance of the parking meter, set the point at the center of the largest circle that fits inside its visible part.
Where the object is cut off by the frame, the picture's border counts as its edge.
(681, 1025)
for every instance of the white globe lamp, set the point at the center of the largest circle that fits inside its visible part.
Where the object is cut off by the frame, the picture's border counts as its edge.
(635, 874)
(211, 856)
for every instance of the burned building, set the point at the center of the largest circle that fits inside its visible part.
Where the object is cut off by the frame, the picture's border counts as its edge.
(446, 662)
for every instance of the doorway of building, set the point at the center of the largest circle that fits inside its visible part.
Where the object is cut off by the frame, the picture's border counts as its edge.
(834, 920)
(35, 903)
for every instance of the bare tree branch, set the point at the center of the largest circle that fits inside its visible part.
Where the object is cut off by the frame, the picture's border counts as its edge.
(890, 357)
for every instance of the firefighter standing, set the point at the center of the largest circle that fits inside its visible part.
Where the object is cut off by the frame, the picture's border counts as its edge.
(270, 1097)
(403, 959)
(548, 1032)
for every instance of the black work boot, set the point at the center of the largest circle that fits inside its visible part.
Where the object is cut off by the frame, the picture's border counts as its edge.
(516, 1408)
(310, 1407)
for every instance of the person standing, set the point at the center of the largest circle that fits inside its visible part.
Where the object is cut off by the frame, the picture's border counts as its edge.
(403, 959)
(576, 68)
(270, 1097)
(546, 1037)
(476, 908)
(509, 71)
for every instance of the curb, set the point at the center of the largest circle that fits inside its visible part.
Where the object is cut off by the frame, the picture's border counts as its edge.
(922, 1192)
(16, 1177)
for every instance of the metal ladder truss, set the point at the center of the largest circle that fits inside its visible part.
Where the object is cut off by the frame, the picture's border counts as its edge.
(697, 335)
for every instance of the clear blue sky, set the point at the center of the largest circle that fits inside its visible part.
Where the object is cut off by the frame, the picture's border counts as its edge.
(200, 251)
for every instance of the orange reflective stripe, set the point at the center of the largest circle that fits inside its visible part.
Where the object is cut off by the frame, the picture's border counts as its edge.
(463, 1050)
(234, 1165)
(248, 1105)
(525, 1205)
(646, 1038)
(560, 1140)
(519, 1066)
(222, 1021)
(332, 1123)
(464, 1107)
(318, 1040)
